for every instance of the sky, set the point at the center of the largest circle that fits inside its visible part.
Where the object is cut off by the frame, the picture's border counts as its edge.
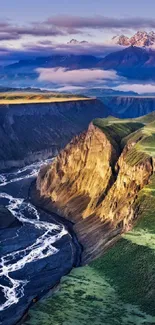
(36, 14)
(28, 10)
(31, 28)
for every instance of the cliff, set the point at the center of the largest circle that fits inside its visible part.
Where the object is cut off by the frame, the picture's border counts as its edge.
(30, 132)
(129, 106)
(95, 181)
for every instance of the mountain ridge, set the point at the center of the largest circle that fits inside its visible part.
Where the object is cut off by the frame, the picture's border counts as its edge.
(140, 39)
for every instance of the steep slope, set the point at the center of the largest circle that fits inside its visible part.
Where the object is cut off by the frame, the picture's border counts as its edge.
(94, 184)
(117, 288)
(133, 62)
(126, 58)
(36, 131)
(129, 106)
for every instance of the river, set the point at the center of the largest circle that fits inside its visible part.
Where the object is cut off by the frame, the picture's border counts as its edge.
(34, 253)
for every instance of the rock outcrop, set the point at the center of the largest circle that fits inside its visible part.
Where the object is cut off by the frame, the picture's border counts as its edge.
(94, 184)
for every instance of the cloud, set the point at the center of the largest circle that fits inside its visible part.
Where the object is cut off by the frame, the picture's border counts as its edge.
(100, 22)
(39, 31)
(69, 88)
(48, 48)
(96, 49)
(63, 25)
(139, 88)
(62, 76)
(8, 36)
(10, 31)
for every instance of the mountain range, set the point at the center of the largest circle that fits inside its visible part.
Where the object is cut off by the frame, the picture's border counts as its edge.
(141, 38)
(134, 63)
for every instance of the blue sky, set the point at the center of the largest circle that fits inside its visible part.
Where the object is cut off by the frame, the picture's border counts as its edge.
(28, 10)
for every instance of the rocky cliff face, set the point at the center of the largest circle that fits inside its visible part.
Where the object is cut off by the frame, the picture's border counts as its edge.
(29, 132)
(93, 184)
(140, 39)
(129, 107)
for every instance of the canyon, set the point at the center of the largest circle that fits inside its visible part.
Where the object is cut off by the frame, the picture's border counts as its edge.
(92, 189)
(53, 125)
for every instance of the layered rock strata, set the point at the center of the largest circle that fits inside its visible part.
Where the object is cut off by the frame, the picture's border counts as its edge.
(93, 184)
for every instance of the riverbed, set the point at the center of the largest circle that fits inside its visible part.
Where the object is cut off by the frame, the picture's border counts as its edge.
(35, 253)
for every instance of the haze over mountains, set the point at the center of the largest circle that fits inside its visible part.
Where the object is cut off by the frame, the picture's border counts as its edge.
(132, 63)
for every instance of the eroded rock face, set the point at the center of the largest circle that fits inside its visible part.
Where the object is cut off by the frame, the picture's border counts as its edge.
(90, 184)
(130, 180)
(80, 174)
(30, 132)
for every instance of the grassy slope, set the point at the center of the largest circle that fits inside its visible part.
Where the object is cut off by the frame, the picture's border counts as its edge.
(29, 97)
(118, 288)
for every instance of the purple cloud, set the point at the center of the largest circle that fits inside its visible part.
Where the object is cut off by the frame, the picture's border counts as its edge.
(62, 76)
(68, 25)
(100, 22)
(50, 48)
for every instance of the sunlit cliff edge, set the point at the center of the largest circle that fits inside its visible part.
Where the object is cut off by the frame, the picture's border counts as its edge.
(95, 181)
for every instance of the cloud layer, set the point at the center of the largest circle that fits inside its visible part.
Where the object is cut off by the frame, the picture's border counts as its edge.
(62, 76)
(68, 25)
(100, 22)
(138, 88)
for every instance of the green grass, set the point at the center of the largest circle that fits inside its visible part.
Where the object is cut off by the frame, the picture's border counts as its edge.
(116, 129)
(118, 288)
(17, 97)
(146, 118)
(140, 130)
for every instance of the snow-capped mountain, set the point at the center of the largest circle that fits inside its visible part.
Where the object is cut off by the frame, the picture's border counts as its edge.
(140, 39)
(121, 40)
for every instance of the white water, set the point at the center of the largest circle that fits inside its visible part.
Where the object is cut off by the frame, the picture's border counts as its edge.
(42, 247)
(30, 171)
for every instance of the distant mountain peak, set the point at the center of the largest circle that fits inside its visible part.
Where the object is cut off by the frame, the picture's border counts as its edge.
(75, 42)
(141, 39)
(121, 40)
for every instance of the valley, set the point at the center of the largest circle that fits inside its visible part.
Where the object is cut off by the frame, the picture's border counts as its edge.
(116, 224)
(77, 162)
(117, 288)
(88, 207)
(35, 250)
